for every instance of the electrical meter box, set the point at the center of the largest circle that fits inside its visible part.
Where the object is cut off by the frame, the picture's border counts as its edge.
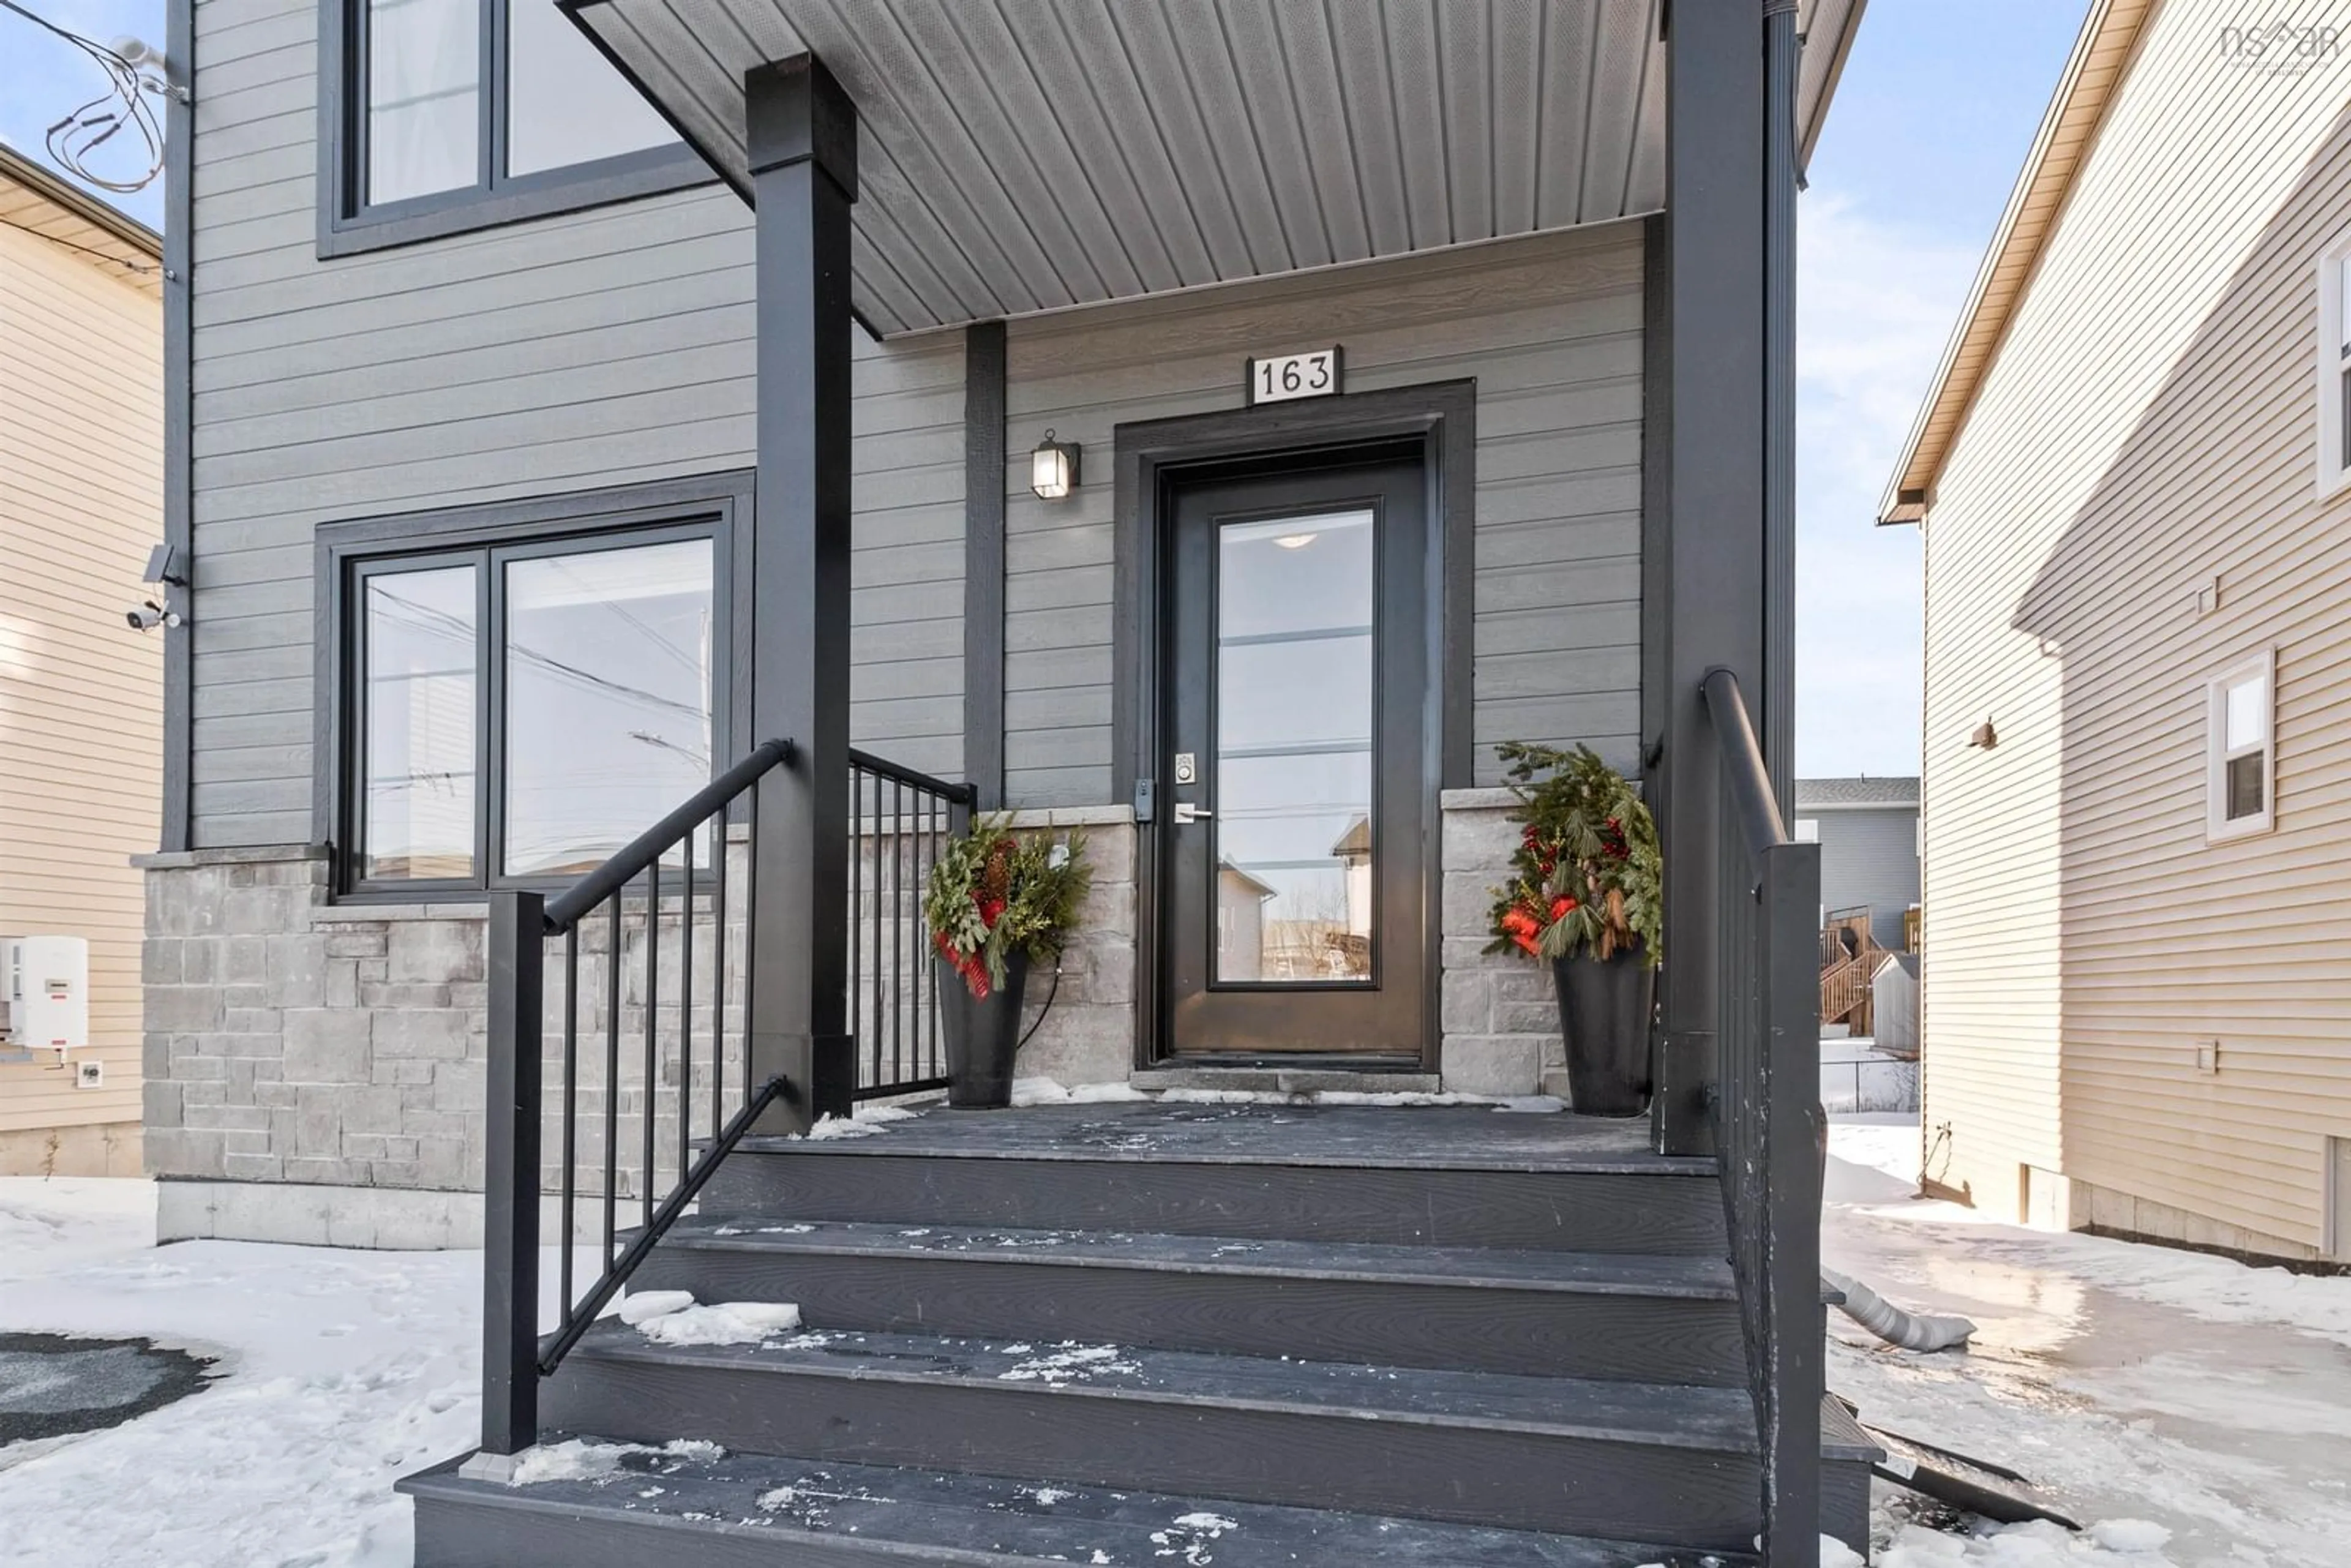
(44, 993)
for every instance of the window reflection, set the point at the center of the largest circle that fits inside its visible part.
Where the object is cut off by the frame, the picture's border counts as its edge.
(423, 94)
(1294, 727)
(565, 103)
(417, 813)
(608, 699)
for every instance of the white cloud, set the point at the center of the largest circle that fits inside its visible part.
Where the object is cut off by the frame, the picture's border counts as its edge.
(1875, 303)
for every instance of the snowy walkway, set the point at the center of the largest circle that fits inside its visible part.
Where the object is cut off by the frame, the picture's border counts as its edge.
(2136, 1382)
(343, 1370)
(2131, 1382)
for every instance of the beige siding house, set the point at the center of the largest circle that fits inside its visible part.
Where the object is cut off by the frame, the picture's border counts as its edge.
(81, 376)
(2131, 478)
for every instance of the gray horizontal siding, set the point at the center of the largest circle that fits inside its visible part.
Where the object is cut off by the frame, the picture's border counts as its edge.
(580, 352)
(1871, 857)
(1550, 328)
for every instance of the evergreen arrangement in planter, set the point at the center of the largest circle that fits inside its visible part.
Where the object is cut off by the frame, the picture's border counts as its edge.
(997, 900)
(1586, 895)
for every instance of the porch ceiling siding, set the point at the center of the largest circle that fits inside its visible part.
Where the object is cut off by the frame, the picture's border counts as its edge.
(1020, 156)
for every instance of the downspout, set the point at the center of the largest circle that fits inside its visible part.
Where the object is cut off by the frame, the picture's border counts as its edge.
(1792, 1462)
(1781, 47)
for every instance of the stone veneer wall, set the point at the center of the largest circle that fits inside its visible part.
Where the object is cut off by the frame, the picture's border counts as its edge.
(315, 1072)
(1087, 1036)
(1499, 1017)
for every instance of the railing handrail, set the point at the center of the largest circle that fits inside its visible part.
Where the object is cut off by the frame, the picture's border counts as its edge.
(1768, 1128)
(1743, 770)
(914, 778)
(631, 862)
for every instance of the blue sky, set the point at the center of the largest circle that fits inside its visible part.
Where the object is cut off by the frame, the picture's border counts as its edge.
(1934, 114)
(1938, 105)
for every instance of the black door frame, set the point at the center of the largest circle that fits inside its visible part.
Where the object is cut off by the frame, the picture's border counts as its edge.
(1440, 418)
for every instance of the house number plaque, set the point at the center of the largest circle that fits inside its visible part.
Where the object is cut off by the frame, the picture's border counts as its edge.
(1314, 373)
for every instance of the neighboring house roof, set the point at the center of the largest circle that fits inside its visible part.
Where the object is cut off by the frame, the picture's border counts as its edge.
(1356, 842)
(1246, 882)
(40, 203)
(1848, 794)
(2101, 59)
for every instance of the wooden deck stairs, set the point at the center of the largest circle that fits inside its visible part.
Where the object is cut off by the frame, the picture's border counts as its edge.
(1152, 1333)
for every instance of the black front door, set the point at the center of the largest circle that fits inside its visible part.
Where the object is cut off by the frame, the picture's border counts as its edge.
(1294, 788)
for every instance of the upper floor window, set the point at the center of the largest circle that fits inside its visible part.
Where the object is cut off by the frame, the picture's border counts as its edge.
(2334, 367)
(2241, 749)
(448, 115)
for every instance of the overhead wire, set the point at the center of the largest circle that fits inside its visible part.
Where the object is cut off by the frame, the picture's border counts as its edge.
(92, 125)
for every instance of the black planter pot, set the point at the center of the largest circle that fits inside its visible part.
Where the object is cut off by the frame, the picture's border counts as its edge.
(982, 1034)
(1604, 1012)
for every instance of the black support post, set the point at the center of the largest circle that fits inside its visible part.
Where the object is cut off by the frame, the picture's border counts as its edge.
(510, 1174)
(803, 136)
(1712, 480)
(983, 559)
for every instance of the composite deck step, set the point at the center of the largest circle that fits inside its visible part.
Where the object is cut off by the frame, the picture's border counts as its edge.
(1667, 1463)
(1450, 1177)
(1574, 1314)
(751, 1510)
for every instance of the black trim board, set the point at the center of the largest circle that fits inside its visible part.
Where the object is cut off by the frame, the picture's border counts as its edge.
(347, 226)
(1441, 417)
(179, 469)
(724, 497)
(983, 559)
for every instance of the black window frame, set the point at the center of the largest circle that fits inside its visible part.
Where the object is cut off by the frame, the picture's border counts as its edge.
(349, 225)
(487, 537)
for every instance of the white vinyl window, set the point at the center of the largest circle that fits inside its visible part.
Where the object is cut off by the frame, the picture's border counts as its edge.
(2241, 749)
(2334, 367)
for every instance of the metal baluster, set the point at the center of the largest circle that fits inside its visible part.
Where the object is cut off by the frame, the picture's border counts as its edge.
(718, 982)
(874, 1045)
(685, 1010)
(897, 928)
(857, 910)
(612, 1081)
(653, 999)
(570, 1104)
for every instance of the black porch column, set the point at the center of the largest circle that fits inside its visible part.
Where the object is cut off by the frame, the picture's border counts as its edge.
(1708, 485)
(802, 134)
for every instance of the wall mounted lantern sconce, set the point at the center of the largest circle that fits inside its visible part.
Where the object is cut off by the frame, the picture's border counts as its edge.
(1053, 468)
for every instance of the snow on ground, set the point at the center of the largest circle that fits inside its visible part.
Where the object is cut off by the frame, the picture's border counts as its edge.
(2141, 1386)
(338, 1373)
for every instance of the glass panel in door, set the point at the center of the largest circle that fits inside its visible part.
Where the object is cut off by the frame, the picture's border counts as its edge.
(1296, 650)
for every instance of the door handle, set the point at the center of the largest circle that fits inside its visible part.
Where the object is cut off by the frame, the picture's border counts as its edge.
(1188, 812)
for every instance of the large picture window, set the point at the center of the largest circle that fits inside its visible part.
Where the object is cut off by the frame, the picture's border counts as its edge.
(445, 115)
(515, 709)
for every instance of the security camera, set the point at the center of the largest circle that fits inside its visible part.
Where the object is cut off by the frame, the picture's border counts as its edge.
(148, 616)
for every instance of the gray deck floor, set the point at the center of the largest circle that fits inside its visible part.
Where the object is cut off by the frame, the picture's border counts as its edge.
(1436, 1137)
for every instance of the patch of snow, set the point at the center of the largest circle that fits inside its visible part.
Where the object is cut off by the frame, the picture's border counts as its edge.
(639, 1305)
(721, 1322)
(1071, 1363)
(576, 1460)
(1099, 1556)
(1047, 1496)
(865, 1122)
(2130, 1535)
(1047, 1091)
(1038, 1092)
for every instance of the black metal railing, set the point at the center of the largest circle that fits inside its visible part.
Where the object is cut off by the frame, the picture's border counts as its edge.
(900, 821)
(1767, 1120)
(643, 1107)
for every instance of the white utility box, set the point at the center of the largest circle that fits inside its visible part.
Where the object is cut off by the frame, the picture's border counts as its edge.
(44, 993)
